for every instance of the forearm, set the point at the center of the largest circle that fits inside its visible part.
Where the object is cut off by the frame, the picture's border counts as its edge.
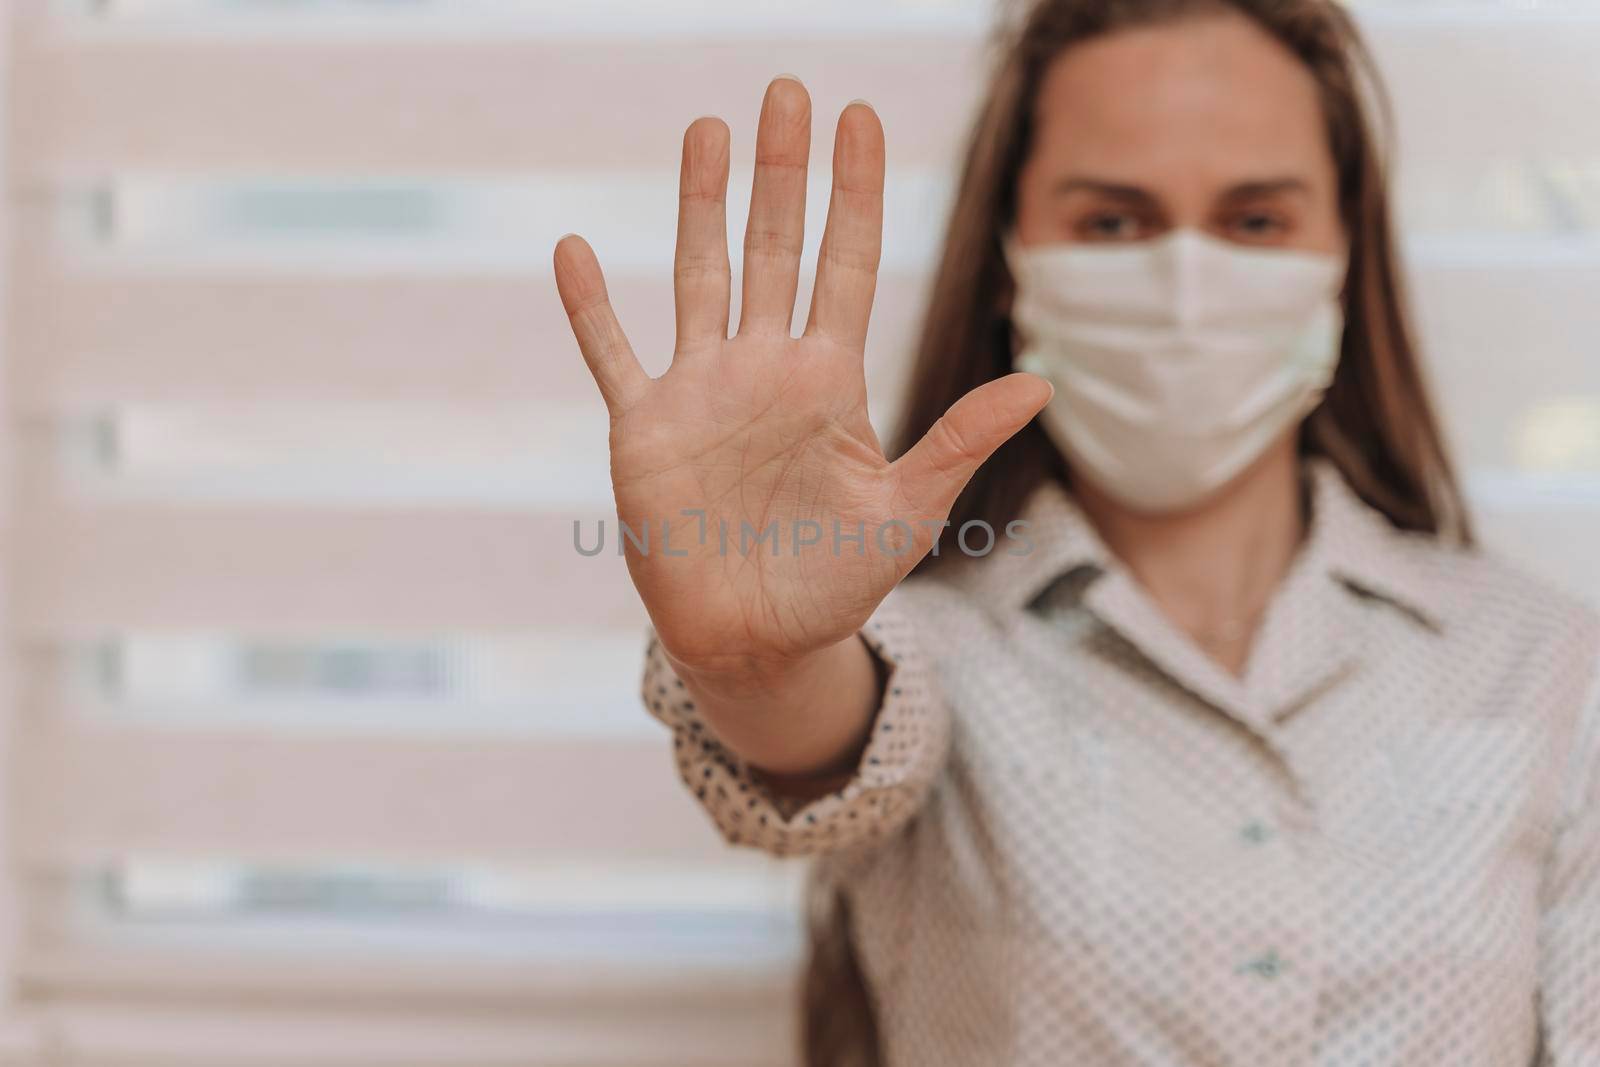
(803, 727)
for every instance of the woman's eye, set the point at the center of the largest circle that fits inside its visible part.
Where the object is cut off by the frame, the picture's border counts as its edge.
(1109, 226)
(1258, 226)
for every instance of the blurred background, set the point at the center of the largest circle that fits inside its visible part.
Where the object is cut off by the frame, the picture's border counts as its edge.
(321, 742)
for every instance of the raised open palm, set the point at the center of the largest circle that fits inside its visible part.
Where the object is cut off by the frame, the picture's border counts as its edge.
(764, 431)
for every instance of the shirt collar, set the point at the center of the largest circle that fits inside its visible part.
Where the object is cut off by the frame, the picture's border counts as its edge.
(1349, 541)
(1357, 544)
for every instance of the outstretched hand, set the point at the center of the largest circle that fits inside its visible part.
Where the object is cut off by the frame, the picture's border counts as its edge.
(764, 428)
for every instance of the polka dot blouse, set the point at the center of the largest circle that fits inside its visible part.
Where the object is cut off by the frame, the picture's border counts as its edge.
(1074, 838)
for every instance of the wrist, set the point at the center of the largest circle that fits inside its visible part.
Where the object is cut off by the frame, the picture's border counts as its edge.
(747, 680)
(797, 722)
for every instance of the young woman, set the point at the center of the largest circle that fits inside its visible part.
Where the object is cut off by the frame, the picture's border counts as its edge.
(1232, 749)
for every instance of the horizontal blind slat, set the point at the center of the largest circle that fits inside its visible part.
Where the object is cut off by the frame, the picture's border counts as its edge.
(1552, 535)
(104, 101)
(1503, 346)
(324, 974)
(210, 1034)
(97, 793)
(116, 337)
(1467, 90)
(268, 1035)
(238, 104)
(97, 569)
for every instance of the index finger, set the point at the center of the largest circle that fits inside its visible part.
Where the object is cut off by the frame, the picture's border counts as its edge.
(604, 346)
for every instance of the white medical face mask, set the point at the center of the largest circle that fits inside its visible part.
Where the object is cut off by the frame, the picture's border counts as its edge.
(1176, 362)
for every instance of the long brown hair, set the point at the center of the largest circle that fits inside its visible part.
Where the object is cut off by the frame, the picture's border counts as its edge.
(1376, 422)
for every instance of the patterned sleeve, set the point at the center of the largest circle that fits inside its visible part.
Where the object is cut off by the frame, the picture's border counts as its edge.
(1569, 937)
(904, 754)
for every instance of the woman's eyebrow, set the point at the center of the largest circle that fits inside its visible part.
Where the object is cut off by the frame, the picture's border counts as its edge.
(1251, 190)
(1117, 190)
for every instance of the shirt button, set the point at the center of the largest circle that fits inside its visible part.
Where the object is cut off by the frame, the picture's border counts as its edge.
(1267, 966)
(1255, 832)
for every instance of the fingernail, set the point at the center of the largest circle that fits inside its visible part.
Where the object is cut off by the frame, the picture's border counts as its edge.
(862, 102)
(791, 77)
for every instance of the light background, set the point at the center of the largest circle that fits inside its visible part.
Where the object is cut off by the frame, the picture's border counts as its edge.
(323, 744)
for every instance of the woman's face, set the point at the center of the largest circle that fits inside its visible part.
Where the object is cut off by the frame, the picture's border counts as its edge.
(1205, 122)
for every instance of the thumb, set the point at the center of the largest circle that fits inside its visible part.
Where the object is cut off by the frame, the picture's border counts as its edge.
(939, 466)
